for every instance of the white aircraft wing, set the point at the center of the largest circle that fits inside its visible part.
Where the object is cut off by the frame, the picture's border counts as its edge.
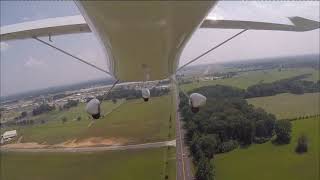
(77, 24)
(44, 27)
(299, 24)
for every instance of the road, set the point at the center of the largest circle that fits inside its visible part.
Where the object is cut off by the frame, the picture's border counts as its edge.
(92, 149)
(184, 171)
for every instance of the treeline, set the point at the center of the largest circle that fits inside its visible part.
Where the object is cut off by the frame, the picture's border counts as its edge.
(224, 123)
(303, 117)
(71, 103)
(124, 93)
(305, 61)
(228, 116)
(294, 85)
(43, 108)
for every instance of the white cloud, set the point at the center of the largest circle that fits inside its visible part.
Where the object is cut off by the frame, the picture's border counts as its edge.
(33, 63)
(215, 17)
(25, 18)
(4, 46)
(93, 56)
(216, 14)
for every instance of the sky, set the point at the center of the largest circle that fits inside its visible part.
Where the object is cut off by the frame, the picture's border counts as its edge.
(28, 65)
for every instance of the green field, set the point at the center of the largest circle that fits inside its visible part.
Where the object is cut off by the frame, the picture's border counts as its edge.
(138, 121)
(246, 79)
(112, 165)
(271, 162)
(314, 77)
(133, 121)
(289, 105)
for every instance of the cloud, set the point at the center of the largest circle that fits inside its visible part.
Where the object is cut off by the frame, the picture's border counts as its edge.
(4, 46)
(93, 56)
(34, 63)
(217, 14)
(216, 17)
(25, 18)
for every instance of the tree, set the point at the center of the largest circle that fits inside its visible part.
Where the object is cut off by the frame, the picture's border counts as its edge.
(302, 145)
(208, 144)
(205, 169)
(283, 131)
(64, 119)
(245, 132)
(42, 109)
(195, 147)
(23, 114)
(261, 129)
(270, 122)
(70, 103)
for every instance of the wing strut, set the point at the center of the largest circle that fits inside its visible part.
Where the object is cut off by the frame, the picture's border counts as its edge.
(73, 56)
(106, 95)
(205, 53)
(177, 84)
(198, 57)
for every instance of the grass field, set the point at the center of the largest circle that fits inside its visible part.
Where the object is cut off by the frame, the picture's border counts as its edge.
(270, 162)
(134, 121)
(113, 165)
(289, 105)
(246, 79)
(54, 131)
(314, 77)
(138, 121)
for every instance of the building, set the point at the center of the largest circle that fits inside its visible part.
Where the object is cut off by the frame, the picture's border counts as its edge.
(8, 135)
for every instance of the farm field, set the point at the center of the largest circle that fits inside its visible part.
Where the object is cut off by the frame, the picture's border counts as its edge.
(289, 105)
(246, 79)
(268, 161)
(132, 121)
(112, 165)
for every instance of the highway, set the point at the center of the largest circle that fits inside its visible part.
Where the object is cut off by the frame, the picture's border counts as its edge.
(92, 149)
(184, 168)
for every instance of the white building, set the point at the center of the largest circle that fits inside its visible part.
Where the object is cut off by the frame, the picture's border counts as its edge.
(8, 135)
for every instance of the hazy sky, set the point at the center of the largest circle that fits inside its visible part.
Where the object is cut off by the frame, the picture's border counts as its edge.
(28, 65)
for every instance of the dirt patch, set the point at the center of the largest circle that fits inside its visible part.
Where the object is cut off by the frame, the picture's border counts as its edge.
(74, 143)
(93, 141)
(24, 145)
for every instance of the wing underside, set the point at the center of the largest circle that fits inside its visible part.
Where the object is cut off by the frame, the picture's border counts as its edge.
(77, 24)
(44, 27)
(139, 46)
(299, 25)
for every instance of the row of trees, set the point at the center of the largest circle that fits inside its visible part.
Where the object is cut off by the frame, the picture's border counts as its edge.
(224, 123)
(71, 103)
(283, 130)
(43, 108)
(128, 94)
(293, 85)
(304, 117)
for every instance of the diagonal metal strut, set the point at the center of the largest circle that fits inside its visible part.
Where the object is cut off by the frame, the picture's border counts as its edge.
(205, 53)
(75, 57)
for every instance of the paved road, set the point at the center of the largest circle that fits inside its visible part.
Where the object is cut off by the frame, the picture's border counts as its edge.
(92, 149)
(184, 171)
